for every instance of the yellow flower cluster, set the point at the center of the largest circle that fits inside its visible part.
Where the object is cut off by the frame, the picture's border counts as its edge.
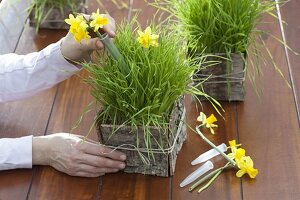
(147, 39)
(244, 163)
(79, 25)
(208, 122)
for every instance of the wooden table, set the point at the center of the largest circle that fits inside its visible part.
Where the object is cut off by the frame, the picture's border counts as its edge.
(268, 128)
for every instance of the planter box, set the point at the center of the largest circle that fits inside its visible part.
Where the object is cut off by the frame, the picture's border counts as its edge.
(225, 79)
(164, 164)
(56, 18)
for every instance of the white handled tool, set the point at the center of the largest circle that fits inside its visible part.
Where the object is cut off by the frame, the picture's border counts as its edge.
(197, 173)
(209, 154)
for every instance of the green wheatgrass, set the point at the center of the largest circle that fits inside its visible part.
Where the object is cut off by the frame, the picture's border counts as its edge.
(158, 77)
(226, 26)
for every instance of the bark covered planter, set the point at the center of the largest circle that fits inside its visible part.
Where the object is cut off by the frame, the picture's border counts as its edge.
(125, 140)
(56, 18)
(224, 79)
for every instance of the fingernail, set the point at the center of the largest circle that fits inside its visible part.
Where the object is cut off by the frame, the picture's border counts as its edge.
(123, 157)
(122, 166)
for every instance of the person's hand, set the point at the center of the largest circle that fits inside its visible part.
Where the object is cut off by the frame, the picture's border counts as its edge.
(74, 155)
(77, 52)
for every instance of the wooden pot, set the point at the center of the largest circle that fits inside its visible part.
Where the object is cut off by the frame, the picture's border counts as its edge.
(56, 18)
(225, 77)
(163, 163)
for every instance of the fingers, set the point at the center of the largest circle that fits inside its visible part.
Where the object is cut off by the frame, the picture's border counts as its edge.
(86, 174)
(97, 170)
(100, 150)
(110, 28)
(101, 162)
(92, 44)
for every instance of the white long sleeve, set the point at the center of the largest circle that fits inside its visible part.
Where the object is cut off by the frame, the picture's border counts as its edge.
(16, 153)
(22, 76)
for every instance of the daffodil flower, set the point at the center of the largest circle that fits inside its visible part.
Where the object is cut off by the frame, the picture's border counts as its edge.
(208, 121)
(81, 34)
(233, 145)
(245, 164)
(78, 27)
(237, 154)
(147, 39)
(99, 20)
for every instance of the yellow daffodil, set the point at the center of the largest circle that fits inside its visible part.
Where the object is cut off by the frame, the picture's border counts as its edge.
(245, 164)
(237, 154)
(208, 121)
(81, 34)
(74, 22)
(233, 145)
(147, 39)
(99, 20)
(78, 27)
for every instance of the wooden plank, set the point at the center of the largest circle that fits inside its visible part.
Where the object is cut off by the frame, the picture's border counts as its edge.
(269, 131)
(25, 117)
(12, 19)
(72, 99)
(227, 186)
(290, 15)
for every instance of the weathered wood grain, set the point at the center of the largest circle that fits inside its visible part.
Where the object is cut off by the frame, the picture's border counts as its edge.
(290, 15)
(269, 131)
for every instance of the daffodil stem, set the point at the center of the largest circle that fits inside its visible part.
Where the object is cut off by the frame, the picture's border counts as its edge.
(114, 52)
(208, 176)
(215, 147)
(213, 178)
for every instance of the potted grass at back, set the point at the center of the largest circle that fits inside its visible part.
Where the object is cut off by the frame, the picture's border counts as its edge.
(141, 92)
(51, 14)
(227, 31)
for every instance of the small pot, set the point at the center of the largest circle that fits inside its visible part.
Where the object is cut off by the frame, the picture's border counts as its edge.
(224, 77)
(56, 18)
(125, 140)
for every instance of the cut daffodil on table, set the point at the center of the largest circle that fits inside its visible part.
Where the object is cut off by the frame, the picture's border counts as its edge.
(208, 122)
(237, 158)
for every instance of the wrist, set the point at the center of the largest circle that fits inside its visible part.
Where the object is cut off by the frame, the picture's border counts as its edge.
(40, 150)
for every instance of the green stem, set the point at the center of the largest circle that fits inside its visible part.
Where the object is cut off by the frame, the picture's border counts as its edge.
(210, 181)
(213, 178)
(208, 176)
(214, 146)
(114, 52)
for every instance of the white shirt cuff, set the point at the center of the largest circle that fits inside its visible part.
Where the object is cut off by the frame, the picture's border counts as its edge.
(16, 153)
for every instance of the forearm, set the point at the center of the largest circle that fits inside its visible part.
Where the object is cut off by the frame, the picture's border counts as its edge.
(24, 75)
